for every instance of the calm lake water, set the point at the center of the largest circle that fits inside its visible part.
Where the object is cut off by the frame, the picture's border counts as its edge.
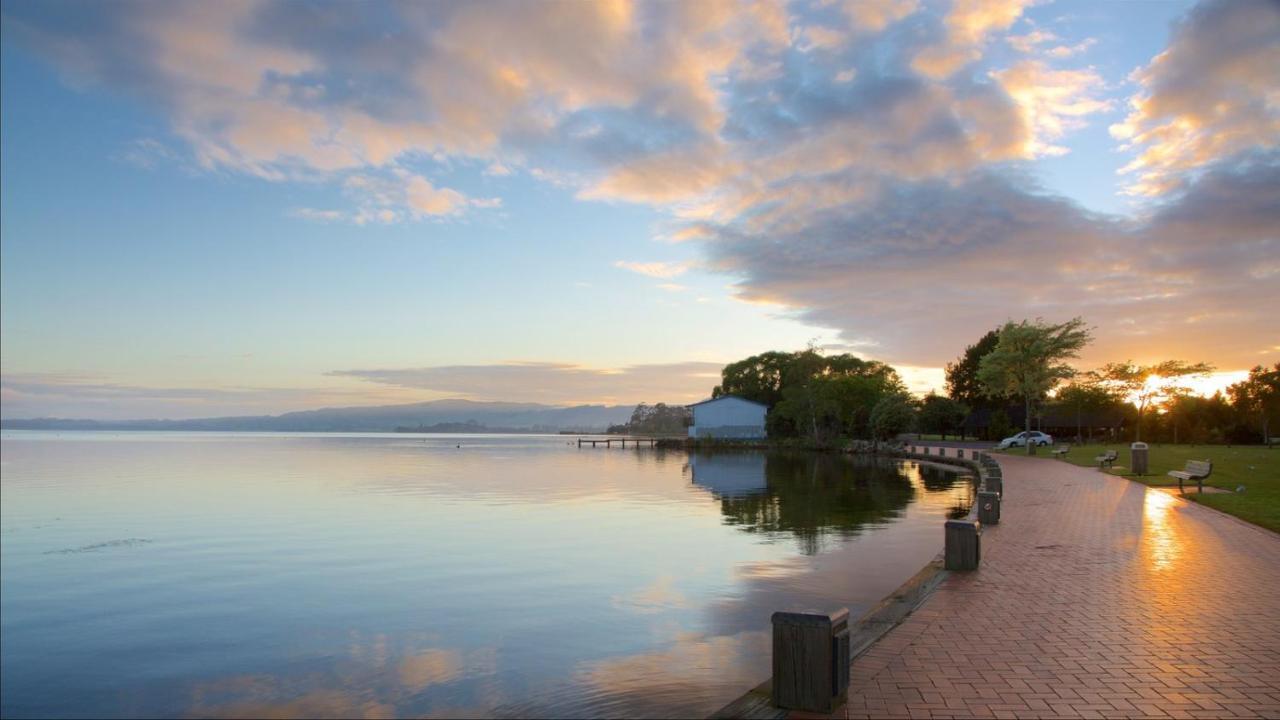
(210, 574)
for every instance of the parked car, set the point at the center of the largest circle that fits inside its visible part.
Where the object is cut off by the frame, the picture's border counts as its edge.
(1020, 440)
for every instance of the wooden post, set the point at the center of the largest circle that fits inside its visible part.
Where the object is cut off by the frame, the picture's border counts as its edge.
(810, 660)
(989, 507)
(963, 544)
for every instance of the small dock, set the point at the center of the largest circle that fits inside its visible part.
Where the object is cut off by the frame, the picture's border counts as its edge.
(608, 442)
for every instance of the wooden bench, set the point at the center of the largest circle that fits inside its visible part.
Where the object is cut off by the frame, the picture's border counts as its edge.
(1061, 452)
(1196, 470)
(1106, 459)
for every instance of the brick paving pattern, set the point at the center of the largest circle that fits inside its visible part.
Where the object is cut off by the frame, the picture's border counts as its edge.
(1096, 598)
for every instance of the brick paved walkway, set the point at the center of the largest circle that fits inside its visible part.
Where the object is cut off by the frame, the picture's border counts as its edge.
(1096, 598)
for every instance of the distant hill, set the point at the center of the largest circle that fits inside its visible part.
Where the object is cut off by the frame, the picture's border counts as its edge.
(528, 417)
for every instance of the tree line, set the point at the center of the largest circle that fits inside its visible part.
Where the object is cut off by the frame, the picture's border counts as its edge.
(1021, 368)
(660, 419)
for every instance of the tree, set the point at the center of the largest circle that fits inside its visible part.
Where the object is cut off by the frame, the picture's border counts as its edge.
(962, 375)
(1258, 397)
(660, 419)
(757, 378)
(1149, 385)
(853, 397)
(999, 424)
(892, 414)
(1028, 360)
(941, 415)
(1085, 392)
(810, 393)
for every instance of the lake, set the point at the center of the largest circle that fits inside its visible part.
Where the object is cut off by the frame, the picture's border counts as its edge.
(224, 574)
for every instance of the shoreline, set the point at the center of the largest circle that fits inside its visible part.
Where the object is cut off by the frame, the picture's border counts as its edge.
(877, 621)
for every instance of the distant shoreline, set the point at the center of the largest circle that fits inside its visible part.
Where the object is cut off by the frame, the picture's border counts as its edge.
(382, 431)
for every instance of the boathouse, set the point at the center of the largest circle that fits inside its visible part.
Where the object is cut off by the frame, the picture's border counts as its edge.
(728, 416)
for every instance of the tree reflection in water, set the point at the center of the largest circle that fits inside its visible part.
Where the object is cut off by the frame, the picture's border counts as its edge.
(812, 496)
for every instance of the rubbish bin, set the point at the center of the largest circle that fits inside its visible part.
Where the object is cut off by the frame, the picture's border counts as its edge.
(963, 544)
(989, 507)
(1138, 458)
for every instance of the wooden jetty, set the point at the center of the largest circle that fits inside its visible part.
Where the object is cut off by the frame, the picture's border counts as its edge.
(608, 442)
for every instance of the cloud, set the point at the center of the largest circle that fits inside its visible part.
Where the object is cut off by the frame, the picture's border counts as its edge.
(394, 197)
(558, 383)
(925, 266)
(325, 92)
(27, 395)
(967, 26)
(876, 15)
(1052, 102)
(819, 37)
(317, 215)
(1032, 42)
(1061, 52)
(1213, 93)
(872, 187)
(661, 270)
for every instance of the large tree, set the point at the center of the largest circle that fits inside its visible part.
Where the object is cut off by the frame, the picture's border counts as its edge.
(1258, 397)
(893, 414)
(1029, 360)
(962, 375)
(810, 393)
(941, 415)
(758, 378)
(1146, 386)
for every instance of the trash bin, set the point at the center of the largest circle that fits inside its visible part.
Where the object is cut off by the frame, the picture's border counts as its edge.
(989, 507)
(963, 545)
(1138, 458)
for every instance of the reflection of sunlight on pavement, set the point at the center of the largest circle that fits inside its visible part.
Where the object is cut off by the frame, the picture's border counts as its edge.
(1162, 542)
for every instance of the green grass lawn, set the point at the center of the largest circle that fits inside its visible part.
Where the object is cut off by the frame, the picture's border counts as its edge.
(1254, 467)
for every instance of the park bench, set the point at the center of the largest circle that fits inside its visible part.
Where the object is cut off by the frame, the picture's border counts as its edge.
(1061, 452)
(1196, 470)
(1106, 459)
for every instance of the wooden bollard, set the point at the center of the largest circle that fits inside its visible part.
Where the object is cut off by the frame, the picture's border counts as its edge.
(810, 660)
(989, 507)
(964, 545)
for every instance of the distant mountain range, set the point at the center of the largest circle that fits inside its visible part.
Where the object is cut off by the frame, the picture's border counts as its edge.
(504, 416)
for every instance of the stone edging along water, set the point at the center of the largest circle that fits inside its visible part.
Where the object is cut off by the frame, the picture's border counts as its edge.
(757, 703)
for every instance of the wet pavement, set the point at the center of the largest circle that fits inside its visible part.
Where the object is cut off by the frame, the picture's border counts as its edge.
(1096, 597)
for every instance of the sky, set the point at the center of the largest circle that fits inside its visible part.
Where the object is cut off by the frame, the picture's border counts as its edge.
(243, 208)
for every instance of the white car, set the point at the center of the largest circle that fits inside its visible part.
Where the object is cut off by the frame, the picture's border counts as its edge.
(1020, 440)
